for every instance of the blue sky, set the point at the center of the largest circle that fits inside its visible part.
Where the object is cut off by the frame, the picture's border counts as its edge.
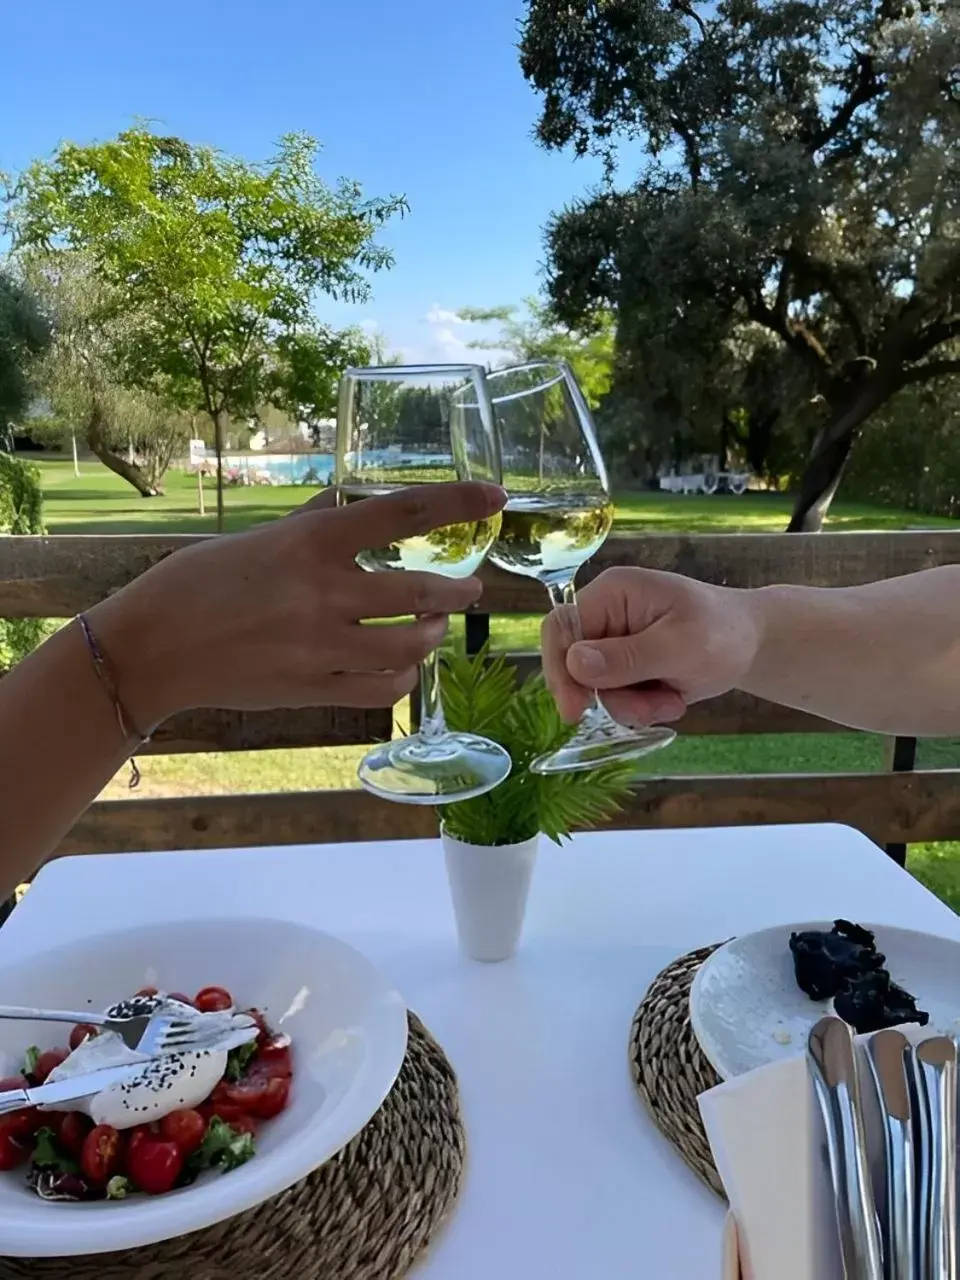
(421, 97)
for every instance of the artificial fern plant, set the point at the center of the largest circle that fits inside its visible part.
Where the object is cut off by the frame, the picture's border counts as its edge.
(480, 694)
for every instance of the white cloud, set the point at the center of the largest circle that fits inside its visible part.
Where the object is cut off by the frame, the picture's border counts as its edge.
(439, 337)
(442, 315)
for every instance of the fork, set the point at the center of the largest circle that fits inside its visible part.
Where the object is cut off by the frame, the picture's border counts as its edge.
(144, 1030)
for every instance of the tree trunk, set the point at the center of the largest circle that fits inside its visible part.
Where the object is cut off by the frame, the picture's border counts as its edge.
(217, 416)
(831, 452)
(128, 471)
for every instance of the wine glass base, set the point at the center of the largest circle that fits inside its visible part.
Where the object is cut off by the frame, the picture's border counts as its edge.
(585, 753)
(412, 770)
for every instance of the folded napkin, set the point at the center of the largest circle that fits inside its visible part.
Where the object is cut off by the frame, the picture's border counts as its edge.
(768, 1144)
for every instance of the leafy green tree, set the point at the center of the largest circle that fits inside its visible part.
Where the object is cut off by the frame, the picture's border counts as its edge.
(306, 367)
(24, 335)
(21, 512)
(537, 336)
(801, 179)
(213, 260)
(133, 432)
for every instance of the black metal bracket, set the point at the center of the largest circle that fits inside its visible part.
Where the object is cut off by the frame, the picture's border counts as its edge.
(477, 632)
(904, 761)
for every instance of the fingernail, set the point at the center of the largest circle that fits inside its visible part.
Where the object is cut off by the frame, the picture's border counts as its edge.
(590, 661)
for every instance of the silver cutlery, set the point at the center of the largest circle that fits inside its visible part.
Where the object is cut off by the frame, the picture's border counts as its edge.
(935, 1074)
(831, 1059)
(142, 1028)
(887, 1057)
(71, 1090)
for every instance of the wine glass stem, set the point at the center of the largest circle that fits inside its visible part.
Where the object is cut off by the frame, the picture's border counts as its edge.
(432, 722)
(563, 595)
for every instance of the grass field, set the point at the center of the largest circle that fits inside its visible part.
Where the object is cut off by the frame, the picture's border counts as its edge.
(99, 502)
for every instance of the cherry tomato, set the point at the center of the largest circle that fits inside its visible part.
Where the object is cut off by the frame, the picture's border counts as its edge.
(260, 1096)
(274, 1060)
(142, 1133)
(12, 1082)
(220, 1104)
(155, 1166)
(72, 1132)
(213, 1000)
(102, 1154)
(13, 1149)
(148, 991)
(275, 1098)
(47, 1062)
(178, 995)
(186, 1128)
(82, 1031)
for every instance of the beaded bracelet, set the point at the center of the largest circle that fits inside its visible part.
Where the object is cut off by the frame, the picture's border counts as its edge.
(108, 681)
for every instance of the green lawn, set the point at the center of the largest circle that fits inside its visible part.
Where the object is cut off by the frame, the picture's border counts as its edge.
(99, 502)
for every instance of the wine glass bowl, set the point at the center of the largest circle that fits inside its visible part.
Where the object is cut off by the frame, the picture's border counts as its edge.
(559, 512)
(406, 425)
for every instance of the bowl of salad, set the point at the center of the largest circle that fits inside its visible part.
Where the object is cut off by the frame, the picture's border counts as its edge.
(190, 1139)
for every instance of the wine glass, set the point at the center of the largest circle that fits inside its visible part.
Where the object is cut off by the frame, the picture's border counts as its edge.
(558, 514)
(402, 425)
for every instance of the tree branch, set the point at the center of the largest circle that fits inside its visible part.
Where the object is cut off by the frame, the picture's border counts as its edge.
(935, 334)
(866, 86)
(797, 336)
(927, 372)
(827, 276)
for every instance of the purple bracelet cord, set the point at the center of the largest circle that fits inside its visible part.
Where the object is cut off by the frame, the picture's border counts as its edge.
(105, 675)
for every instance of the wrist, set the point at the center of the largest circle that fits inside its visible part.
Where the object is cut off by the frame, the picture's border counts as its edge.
(758, 608)
(142, 656)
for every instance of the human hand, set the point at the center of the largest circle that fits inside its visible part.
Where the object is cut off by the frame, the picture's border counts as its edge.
(652, 644)
(274, 617)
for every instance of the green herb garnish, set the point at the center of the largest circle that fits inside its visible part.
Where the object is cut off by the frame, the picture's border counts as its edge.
(119, 1188)
(239, 1059)
(30, 1060)
(48, 1155)
(222, 1148)
(481, 695)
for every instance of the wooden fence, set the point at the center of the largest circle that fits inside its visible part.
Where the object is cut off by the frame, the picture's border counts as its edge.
(59, 576)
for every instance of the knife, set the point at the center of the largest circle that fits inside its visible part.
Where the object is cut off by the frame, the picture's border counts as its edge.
(887, 1054)
(70, 1090)
(833, 1067)
(935, 1064)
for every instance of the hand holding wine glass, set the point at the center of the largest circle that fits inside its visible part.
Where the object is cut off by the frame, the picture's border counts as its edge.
(400, 426)
(558, 514)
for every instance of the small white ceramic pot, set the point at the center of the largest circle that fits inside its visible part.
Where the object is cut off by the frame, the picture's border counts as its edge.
(489, 885)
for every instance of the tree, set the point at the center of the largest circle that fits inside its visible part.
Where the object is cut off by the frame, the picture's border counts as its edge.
(306, 368)
(134, 433)
(24, 335)
(216, 261)
(802, 177)
(21, 512)
(538, 336)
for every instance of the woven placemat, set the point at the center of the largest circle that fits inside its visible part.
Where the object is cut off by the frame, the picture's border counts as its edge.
(367, 1214)
(668, 1065)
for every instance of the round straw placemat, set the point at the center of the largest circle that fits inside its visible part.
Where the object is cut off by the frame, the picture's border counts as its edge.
(668, 1065)
(367, 1214)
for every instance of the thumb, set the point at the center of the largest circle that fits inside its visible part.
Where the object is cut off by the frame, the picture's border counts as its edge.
(619, 661)
(321, 501)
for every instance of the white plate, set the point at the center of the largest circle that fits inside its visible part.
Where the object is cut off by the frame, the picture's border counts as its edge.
(747, 1010)
(349, 1030)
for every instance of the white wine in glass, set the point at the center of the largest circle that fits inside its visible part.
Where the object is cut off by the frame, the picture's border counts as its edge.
(558, 514)
(405, 425)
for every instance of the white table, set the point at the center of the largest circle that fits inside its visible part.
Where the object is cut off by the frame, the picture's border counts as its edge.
(567, 1176)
